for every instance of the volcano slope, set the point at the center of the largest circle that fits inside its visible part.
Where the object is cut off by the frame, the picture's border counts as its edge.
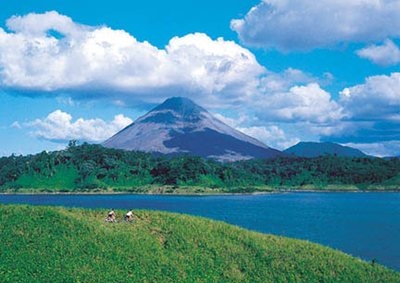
(54, 244)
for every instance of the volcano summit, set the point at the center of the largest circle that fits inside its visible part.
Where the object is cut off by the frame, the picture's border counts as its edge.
(179, 126)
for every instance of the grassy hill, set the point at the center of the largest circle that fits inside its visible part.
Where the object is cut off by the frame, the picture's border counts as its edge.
(50, 244)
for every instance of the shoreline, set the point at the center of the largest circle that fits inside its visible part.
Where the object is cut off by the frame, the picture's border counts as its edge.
(182, 193)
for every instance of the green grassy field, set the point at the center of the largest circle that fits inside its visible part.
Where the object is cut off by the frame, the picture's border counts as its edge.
(51, 244)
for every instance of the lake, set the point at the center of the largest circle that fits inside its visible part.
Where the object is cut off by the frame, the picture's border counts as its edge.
(366, 225)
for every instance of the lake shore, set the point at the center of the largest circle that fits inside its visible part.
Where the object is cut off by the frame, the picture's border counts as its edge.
(200, 191)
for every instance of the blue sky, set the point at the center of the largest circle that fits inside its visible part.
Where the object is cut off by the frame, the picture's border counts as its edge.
(281, 71)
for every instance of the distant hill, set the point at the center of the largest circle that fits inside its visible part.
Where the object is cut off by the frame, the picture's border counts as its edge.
(49, 244)
(315, 149)
(179, 126)
(391, 157)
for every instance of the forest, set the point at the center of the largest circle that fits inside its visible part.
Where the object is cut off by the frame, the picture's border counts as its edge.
(90, 167)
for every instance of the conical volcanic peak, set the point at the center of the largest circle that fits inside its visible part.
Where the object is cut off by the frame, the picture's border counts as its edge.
(180, 126)
(175, 110)
(181, 105)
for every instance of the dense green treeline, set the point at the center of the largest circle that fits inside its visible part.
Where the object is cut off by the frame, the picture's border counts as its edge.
(93, 167)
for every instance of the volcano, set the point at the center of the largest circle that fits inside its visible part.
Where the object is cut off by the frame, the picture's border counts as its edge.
(180, 126)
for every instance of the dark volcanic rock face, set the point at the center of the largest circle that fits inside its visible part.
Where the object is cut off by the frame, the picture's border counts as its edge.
(179, 126)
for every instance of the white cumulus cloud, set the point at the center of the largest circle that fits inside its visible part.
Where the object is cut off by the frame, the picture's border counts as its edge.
(384, 55)
(59, 126)
(373, 112)
(50, 52)
(307, 24)
(287, 108)
(378, 98)
(271, 135)
(300, 103)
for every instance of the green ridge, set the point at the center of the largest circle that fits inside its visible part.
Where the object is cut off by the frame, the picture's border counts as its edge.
(51, 244)
(93, 168)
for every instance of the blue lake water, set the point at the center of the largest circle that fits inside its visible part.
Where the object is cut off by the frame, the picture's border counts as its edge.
(366, 225)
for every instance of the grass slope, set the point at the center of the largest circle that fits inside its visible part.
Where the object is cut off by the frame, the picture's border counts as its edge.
(50, 244)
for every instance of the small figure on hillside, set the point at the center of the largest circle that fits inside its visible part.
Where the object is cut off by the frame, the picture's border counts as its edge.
(111, 216)
(129, 216)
